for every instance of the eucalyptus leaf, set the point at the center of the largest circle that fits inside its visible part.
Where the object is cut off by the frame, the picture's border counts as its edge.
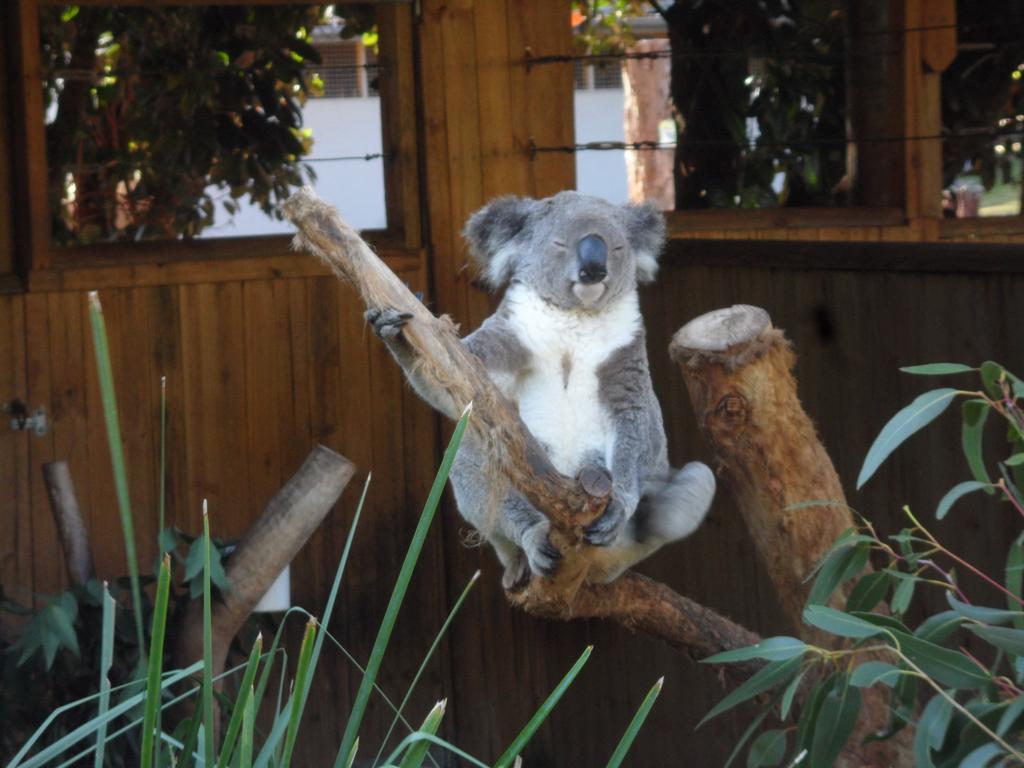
(835, 723)
(768, 749)
(1015, 461)
(842, 565)
(921, 412)
(1005, 638)
(955, 493)
(789, 694)
(871, 672)
(931, 729)
(767, 677)
(982, 757)
(868, 592)
(772, 649)
(948, 667)
(937, 369)
(1010, 716)
(983, 614)
(975, 414)
(991, 374)
(938, 627)
(902, 596)
(839, 623)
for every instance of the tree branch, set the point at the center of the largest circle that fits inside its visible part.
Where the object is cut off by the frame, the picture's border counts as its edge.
(74, 537)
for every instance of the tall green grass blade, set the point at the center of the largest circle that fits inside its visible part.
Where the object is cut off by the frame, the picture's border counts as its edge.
(208, 752)
(303, 693)
(426, 659)
(106, 660)
(417, 752)
(541, 714)
(277, 731)
(188, 751)
(302, 678)
(113, 423)
(398, 594)
(635, 724)
(245, 692)
(248, 736)
(156, 660)
(162, 498)
(416, 736)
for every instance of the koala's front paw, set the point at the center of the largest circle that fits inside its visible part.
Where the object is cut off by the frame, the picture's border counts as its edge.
(605, 529)
(517, 574)
(387, 323)
(541, 555)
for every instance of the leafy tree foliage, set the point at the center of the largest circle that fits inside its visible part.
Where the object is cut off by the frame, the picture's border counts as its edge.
(151, 108)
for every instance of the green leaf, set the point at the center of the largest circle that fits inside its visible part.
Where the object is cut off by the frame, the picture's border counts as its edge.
(931, 729)
(635, 724)
(975, 414)
(868, 591)
(398, 593)
(745, 736)
(772, 649)
(156, 659)
(1015, 576)
(767, 677)
(954, 493)
(809, 712)
(248, 723)
(937, 369)
(948, 667)
(300, 685)
(1015, 461)
(1010, 716)
(991, 374)
(207, 681)
(106, 660)
(881, 620)
(839, 623)
(242, 706)
(768, 749)
(938, 627)
(111, 419)
(842, 565)
(871, 672)
(789, 694)
(918, 414)
(1009, 640)
(834, 723)
(417, 752)
(982, 756)
(983, 614)
(902, 595)
(520, 741)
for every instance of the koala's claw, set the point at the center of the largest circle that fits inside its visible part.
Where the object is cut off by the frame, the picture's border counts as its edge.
(517, 574)
(387, 323)
(542, 556)
(603, 531)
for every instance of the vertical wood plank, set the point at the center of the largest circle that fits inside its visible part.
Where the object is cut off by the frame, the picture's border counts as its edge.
(15, 500)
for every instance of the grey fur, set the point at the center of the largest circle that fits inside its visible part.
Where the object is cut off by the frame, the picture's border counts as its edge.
(531, 244)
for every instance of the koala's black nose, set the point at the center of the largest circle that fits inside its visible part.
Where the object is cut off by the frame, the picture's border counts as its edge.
(592, 254)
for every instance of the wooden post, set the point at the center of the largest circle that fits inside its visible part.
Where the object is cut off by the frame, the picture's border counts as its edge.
(738, 369)
(288, 521)
(74, 537)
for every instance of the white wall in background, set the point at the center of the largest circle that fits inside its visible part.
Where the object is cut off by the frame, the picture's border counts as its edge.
(343, 127)
(599, 118)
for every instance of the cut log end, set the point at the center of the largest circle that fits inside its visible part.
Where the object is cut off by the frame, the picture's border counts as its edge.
(732, 336)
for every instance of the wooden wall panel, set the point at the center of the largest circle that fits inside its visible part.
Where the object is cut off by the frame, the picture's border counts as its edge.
(15, 507)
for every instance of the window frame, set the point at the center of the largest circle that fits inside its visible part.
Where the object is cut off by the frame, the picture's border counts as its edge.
(48, 266)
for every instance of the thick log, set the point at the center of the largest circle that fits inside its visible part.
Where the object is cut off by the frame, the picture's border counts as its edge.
(568, 503)
(738, 370)
(74, 537)
(270, 544)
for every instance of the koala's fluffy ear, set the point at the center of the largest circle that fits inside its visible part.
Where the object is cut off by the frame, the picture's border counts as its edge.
(645, 225)
(490, 233)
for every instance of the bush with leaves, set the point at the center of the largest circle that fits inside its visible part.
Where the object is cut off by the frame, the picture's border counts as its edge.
(973, 703)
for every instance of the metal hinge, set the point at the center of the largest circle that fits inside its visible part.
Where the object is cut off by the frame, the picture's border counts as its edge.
(21, 421)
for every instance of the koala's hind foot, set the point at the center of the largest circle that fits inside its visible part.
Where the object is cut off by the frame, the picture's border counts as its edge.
(605, 530)
(677, 509)
(387, 322)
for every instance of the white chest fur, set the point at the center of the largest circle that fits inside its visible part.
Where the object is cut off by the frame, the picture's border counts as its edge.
(558, 394)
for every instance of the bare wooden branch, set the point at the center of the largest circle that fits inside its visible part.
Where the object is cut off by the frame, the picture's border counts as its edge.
(568, 503)
(74, 537)
(270, 544)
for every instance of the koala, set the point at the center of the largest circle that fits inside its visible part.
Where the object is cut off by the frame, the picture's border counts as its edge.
(567, 346)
